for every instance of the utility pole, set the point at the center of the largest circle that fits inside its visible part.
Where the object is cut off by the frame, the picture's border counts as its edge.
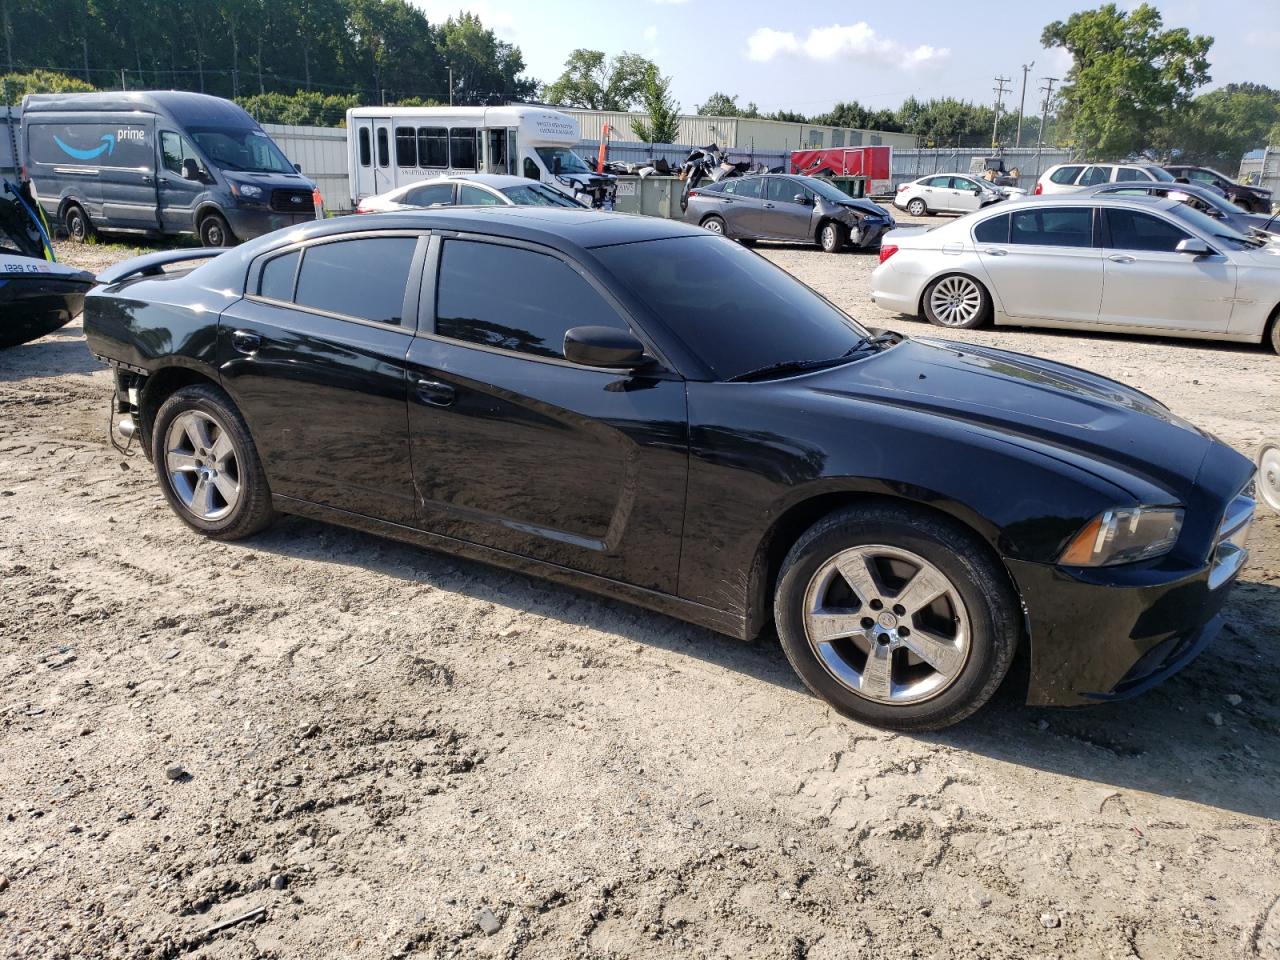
(451, 85)
(1026, 68)
(1000, 90)
(123, 85)
(1044, 116)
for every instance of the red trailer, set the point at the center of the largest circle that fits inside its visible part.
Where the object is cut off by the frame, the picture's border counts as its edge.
(874, 163)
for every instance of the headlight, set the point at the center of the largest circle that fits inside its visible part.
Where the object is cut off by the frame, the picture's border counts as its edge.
(247, 190)
(1124, 535)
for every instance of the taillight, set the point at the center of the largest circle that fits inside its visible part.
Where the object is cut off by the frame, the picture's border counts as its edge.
(694, 193)
(887, 250)
(1039, 189)
(903, 186)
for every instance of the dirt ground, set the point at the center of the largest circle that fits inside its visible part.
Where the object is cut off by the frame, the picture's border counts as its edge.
(386, 753)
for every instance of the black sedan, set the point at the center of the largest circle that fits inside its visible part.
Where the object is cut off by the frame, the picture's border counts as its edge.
(639, 408)
(1251, 199)
(792, 208)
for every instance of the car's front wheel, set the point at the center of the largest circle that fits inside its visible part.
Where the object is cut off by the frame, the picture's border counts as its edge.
(957, 301)
(214, 231)
(831, 237)
(208, 465)
(896, 617)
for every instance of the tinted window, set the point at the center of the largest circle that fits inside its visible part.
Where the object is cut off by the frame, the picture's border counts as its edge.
(538, 299)
(406, 147)
(995, 230)
(531, 170)
(358, 278)
(1053, 227)
(277, 277)
(433, 147)
(462, 148)
(735, 310)
(1126, 174)
(1132, 230)
(1161, 174)
(747, 187)
(384, 155)
(174, 149)
(1095, 175)
(430, 195)
(782, 190)
(366, 157)
(1065, 175)
(474, 196)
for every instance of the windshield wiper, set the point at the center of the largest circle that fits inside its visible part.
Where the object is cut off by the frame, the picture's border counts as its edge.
(784, 366)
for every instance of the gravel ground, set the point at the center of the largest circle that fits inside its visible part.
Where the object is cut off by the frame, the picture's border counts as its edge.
(358, 749)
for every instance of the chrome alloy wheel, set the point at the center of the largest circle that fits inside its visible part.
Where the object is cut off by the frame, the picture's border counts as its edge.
(202, 465)
(886, 624)
(956, 301)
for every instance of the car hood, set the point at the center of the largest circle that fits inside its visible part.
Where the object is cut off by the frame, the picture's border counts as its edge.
(866, 206)
(1075, 414)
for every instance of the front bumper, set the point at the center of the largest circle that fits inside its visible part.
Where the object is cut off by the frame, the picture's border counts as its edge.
(250, 222)
(1112, 633)
(867, 233)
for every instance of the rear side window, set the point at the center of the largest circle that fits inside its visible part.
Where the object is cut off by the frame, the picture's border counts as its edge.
(1094, 175)
(430, 195)
(278, 276)
(384, 154)
(1065, 175)
(1053, 227)
(747, 188)
(476, 197)
(366, 156)
(1127, 174)
(995, 230)
(406, 147)
(1133, 230)
(433, 147)
(362, 278)
(538, 299)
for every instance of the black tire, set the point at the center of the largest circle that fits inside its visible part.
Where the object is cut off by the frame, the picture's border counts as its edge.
(832, 237)
(747, 242)
(214, 231)
(993, 611)
(917, 207)
(715, 224)
(980, 318)
(252, 511)
(77, 223)
(1273, 330)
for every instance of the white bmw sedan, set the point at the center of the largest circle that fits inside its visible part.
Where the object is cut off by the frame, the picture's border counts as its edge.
(1109, 263)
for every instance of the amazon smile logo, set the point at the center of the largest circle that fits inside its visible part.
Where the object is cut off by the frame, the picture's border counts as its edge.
(107, 145)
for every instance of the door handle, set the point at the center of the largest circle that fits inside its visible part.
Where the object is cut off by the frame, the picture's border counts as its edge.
(246, 342)
(148, 179)
(995, 252)
(1121, 258)
(436, 393)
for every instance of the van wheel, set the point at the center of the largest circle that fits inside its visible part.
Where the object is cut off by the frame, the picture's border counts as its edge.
(214, 232)
(79, 227)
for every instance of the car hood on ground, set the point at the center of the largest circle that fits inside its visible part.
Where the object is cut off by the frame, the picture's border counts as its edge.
(1046, 403)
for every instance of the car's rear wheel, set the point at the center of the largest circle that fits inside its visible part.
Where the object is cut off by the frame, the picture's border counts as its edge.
(79, 226)
(1273, 330)
(1268, 482)
(896, 617)
(831, 237)
(208, 465)
(917, 208)
(214, 231)
(958, 302)
(715, 225)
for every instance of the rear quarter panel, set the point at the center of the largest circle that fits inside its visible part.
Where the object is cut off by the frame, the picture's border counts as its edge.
(149, 324)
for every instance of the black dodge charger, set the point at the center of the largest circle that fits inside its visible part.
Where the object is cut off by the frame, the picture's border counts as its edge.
(639, 408)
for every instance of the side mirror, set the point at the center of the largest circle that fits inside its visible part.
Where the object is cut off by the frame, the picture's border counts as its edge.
(801, 199)
(297, 167)
(603, 347)
(190, 170)
(1193, 247)
(555, 166)
(977, 191)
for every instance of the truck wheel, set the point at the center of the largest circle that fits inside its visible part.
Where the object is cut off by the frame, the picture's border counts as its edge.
(214, 231)
(79, 227)
(208, 466)
(896, 617)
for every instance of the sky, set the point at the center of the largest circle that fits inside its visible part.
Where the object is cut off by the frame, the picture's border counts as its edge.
(805, 57)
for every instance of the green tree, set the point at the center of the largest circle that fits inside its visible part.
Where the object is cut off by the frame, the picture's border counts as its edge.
(1224, 124)
(485, 69)
(305, 107)
(787, 116)
(663, 125)
(723, 105)
(1273, 138)
(592, 80)
(15, 86)
(1129, 79)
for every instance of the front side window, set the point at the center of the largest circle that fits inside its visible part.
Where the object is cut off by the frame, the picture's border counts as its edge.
(430, 195)
(941, 182)
(363, 278)
(1065, 175)
(175, 150)
(782, 190)
(462, 148)
(531, 171)
(540, 297)
(1134, 230)
(433, 147)
(470, 196)
(735, 310)
(406, 147)
(1053, 227)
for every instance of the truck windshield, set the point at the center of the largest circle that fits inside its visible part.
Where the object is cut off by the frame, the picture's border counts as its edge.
(570, 162)
(241, 149)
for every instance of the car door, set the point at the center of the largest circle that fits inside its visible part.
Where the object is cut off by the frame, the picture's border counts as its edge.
(737, 202)
(519, 450)
(178, 195)
(1043, 262)
(966, 195)
(1094, 175)
(783, 216)
(936, 192)
(1147, 283)
(314, 357)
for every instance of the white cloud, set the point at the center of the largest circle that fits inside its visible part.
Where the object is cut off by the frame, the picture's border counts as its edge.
(650, 33)
(829, 43)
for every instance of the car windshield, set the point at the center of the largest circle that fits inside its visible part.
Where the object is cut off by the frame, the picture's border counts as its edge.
(570, 162)
(241, 149)
(1211, 227)
(536, 195)
(735, 310)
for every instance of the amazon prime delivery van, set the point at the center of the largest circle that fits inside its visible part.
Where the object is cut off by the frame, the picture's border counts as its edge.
(159, 162)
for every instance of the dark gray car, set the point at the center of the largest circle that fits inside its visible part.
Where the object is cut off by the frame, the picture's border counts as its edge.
(791, 208)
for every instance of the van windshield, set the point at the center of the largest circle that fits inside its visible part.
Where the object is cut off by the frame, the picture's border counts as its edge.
(241, 149)
(570, 162)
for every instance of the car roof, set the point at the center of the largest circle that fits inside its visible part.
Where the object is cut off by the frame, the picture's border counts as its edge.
(1090, 198)
(1191, 189)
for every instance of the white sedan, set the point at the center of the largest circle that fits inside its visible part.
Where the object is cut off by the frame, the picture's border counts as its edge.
(1121, 264)
(950, 193)
(468, 190)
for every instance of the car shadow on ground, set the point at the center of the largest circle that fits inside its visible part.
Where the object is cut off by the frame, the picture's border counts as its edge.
(61, 352)
(1188, 739)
